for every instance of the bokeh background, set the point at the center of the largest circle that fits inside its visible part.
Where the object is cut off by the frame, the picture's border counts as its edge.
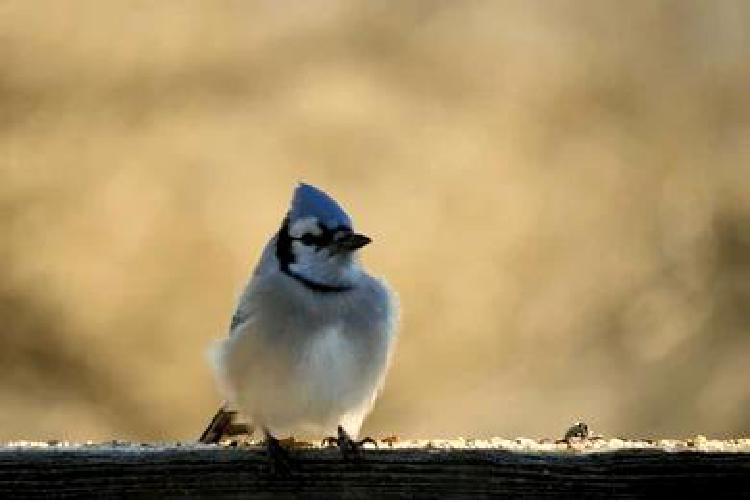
(559, 191)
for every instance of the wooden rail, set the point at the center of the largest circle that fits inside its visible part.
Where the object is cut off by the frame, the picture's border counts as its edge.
(197, 471)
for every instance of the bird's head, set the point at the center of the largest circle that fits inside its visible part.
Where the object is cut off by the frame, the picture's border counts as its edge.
(317, 244)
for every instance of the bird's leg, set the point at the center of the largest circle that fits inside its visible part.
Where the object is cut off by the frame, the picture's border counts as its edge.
(349, 448)
(278, 457)
(221, 425)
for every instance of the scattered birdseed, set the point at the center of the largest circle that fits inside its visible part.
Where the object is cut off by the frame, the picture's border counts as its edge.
(520, 444)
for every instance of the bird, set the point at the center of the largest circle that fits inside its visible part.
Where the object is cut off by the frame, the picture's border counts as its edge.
(312, 335)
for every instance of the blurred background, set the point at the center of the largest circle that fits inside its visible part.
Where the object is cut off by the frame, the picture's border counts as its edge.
(559, 191)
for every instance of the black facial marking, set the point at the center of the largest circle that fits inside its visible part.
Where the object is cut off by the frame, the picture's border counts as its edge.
(319, 287)
(310, 240)
(284, 246)
(324, 239)
(285, 255)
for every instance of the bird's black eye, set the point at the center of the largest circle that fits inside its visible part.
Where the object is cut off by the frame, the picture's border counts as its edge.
(308, 239)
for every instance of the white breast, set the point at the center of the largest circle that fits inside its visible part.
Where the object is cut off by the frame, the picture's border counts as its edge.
(301, 377)
(328, 369)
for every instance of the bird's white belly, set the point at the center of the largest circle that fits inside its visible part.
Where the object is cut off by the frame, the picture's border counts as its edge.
(323, 384)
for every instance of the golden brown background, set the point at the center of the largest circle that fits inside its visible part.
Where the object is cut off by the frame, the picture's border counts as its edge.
(559, 191)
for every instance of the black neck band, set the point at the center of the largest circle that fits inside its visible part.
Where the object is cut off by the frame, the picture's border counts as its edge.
(318, 287)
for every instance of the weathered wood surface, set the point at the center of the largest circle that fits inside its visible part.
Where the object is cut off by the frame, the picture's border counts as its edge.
(216, 472)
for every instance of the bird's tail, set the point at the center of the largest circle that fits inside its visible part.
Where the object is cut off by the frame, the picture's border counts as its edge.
(223, 424)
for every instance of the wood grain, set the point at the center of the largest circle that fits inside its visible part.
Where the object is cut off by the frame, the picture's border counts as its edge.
(200, 472)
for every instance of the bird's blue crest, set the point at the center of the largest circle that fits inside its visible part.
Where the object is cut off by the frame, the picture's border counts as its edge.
(310, 201)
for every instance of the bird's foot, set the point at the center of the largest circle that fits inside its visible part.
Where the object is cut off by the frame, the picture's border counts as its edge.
(223, 425)
(350, 449)
(278, 459)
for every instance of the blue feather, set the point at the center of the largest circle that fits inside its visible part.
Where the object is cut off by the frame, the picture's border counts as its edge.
(310, 201)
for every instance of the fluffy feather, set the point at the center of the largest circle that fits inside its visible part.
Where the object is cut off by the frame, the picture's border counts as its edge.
(298, 361)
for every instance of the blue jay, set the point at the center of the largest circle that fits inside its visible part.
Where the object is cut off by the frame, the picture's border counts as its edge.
(312, 335)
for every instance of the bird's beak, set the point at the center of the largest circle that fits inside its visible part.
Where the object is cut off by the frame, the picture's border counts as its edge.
(350, 242)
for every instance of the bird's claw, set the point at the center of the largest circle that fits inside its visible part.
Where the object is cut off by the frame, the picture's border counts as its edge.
(367, 439)
(349, 447)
